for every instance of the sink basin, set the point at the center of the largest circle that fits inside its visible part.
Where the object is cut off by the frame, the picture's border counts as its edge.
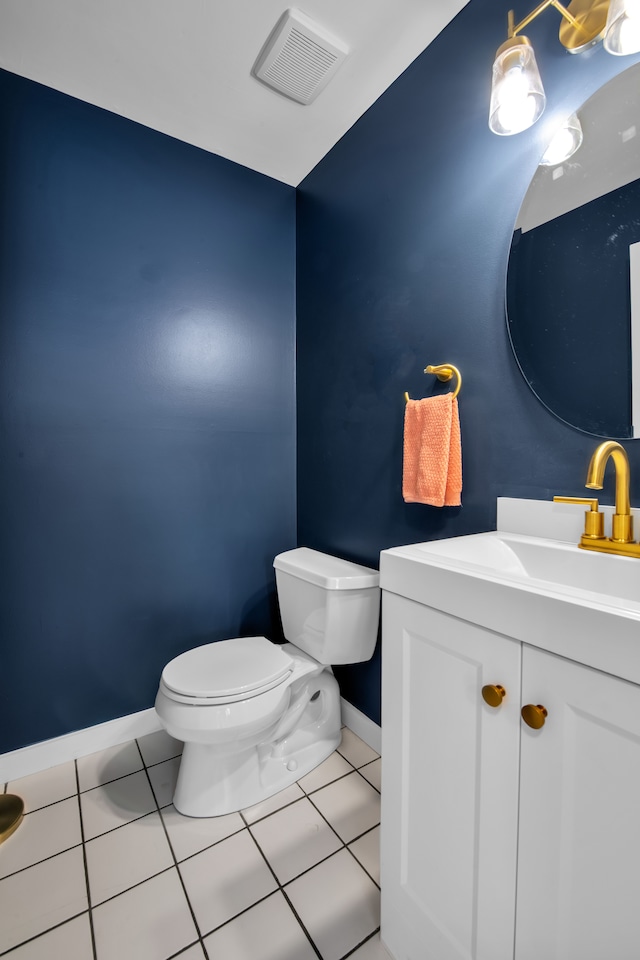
(558, 564)
(547, 593)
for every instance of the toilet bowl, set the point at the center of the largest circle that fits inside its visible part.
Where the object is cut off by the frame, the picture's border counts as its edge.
(254, 715)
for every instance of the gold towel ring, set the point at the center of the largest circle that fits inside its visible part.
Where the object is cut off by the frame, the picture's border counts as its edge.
(443, 372)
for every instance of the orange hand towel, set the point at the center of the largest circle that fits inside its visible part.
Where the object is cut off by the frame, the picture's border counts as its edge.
(432, 471)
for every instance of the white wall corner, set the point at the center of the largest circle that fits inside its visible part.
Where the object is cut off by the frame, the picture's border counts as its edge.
(361, 725)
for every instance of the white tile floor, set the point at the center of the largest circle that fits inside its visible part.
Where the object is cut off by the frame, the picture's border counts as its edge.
(104, 868)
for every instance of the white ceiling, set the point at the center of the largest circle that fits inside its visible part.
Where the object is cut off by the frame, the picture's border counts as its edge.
(184, 67)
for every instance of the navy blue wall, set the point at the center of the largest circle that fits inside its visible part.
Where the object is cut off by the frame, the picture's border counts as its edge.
(147, 440)
(147, 329)
(403, 238)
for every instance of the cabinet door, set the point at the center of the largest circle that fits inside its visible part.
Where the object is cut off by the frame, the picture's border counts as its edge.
(450, 787)
(579, 853)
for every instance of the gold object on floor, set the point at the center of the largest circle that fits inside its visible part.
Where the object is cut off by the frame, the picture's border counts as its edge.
(11, 814)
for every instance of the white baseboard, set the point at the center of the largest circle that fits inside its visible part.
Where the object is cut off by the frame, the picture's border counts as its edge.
(49, 753)
(361, 725)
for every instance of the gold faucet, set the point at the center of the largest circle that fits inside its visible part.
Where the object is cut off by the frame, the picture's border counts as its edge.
(621, 540)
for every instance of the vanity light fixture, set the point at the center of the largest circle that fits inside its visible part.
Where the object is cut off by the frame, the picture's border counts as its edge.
(517, 94)
(622, 34)
(564, 143)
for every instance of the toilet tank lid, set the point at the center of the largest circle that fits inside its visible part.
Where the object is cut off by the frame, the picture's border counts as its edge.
(326, 571)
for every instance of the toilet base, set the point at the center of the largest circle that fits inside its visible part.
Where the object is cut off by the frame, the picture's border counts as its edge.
(212, 783)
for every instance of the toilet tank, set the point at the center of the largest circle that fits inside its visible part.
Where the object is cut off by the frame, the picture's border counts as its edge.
(330, 608)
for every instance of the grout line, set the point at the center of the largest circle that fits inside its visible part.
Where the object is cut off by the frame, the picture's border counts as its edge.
(121, 825)
(45, 806)
(284, 806)
(369, 762)
(37, 863)
(306, 869)
(175, 859)
(364, 833)
(241, 913)
(38, 936)
(191, 910)
(361, 944)
(150, 813)
(314, 865)
(225, 923)
(343, 776)
(210, 846)
(297, 916)
(377, 789)
(86, 865)
(183, 950)
(280, 887)
(355, 765)
(106, 783)
(315, 806)
(346, 843)
(362, 866)
(149, 766)
(286, 896)
(114, 896)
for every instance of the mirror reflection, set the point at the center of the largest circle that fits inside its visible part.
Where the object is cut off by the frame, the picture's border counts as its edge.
(573, 279)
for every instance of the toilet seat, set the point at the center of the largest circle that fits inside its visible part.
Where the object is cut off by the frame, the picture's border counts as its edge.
(227, 671)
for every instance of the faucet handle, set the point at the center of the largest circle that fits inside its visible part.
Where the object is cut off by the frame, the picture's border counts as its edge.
(593, 518)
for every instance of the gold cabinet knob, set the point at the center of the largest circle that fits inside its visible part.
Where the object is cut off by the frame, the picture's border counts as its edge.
(493, 694)
(534, 715)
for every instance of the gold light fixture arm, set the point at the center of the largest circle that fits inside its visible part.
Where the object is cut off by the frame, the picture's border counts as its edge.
(583, 23)
(515, 30)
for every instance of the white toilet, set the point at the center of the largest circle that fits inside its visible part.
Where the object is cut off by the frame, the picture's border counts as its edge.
(255, 716)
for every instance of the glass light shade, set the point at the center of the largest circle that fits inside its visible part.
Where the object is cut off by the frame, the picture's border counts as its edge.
(517, 95)
(564, 142)
(622, 32)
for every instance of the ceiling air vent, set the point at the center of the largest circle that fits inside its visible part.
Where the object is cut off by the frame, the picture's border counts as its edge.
(299, 58)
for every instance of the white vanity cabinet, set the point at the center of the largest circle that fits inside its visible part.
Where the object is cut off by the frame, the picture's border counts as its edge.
(500, 842)
(450, 792)
(579, 840)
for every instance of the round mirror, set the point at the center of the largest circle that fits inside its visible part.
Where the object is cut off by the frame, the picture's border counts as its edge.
(573, 279)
